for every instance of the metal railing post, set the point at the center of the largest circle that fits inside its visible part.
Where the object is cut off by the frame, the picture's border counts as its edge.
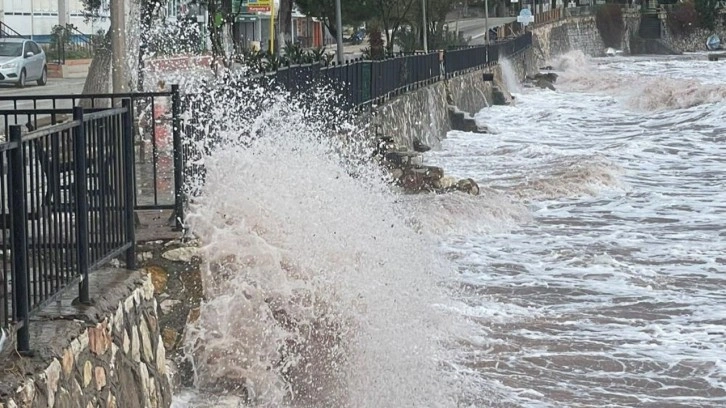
(81, 199)
(178, 156)
(127, 138)
(19, 249)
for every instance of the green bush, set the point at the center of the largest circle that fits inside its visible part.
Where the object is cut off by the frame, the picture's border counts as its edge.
(610, 24)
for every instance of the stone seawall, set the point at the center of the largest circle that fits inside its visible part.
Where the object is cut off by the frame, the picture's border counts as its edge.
(579, 33)
(106, 355)
(425, 114)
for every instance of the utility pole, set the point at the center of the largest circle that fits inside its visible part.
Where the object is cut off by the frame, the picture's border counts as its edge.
(339, 25)
(118, 45)
(425, 28)
(486, 20)
(62, 13)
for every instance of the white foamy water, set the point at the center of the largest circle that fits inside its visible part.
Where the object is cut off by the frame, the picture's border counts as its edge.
(613, 293)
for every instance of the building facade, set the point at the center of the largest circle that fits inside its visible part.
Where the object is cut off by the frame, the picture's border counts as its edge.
(36, 18)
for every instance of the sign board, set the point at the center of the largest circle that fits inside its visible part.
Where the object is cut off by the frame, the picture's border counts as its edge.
(258, 5)
(525, 16)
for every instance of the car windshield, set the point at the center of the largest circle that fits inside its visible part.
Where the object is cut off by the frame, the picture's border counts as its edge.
(8, 49)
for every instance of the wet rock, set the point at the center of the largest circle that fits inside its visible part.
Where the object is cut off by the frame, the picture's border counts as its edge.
(420, 147)
(402, 159)
(184, 254)
(168, 304)
(159, 277)
(463, 121)
(445, 183)
(468, 186)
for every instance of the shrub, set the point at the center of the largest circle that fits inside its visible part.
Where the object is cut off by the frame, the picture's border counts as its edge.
(682, 18)
(707, 11)
(610, 24)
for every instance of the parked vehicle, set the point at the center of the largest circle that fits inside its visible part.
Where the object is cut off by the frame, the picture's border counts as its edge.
(22, 60)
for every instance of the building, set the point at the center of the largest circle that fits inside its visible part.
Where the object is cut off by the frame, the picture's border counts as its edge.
(36, 18)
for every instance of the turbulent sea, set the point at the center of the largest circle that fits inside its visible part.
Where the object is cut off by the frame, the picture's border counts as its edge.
(589, 273)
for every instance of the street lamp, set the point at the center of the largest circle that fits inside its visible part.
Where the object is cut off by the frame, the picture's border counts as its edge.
(425, 28)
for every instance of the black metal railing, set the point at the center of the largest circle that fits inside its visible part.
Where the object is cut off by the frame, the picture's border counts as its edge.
(68, 201)
(157, 180)
(69, 43)
(7, 32)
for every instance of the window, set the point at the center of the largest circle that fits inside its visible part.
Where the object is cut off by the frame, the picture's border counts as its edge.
(34, 48)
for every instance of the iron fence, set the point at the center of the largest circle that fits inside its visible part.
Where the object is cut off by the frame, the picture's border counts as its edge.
(67, 194)
(152, 115)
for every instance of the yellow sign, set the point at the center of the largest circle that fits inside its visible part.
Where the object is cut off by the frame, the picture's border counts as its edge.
(259, 5)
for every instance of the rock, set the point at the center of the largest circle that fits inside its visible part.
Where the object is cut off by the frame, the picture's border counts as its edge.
(420, 147)
(99, 339)
(167, 305)
(144, 256)
(549, 77)
(468, 186)
(100, 376)
(397, 173)
(544, 84)
(402, 159)
(183, 254)
(146, 342)
(67, 361)
(445, 183)
(87, 373)
(159, 277)
(52, 376)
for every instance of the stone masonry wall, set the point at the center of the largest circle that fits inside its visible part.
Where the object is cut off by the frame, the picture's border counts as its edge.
(106, 355)
(424, 113)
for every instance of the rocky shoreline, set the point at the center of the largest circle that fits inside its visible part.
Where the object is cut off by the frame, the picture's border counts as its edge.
(408, 172)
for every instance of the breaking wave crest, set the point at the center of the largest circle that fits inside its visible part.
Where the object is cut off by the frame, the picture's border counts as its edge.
(646, 93)
(318, 292)
(568, 177)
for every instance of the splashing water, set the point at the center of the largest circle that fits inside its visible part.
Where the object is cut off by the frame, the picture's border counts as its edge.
(511, 81)
(318, 291)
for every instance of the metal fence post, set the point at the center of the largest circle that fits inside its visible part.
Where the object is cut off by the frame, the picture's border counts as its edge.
(178, 156)
(127, 138)
(19, 249)
(81, 199)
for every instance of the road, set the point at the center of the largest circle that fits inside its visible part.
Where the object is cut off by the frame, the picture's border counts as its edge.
(55, 86)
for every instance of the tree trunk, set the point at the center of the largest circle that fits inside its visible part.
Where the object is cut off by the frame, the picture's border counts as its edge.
(285, 21)
(99, 73)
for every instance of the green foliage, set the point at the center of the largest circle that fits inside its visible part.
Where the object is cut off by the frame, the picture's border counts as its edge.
(610, 24)
(682, 18)
(439, 38)
(707, 12)
(375, 50)
(293, 54)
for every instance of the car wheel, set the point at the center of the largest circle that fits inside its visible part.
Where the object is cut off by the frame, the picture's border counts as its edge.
(43, 77)
(21, 80)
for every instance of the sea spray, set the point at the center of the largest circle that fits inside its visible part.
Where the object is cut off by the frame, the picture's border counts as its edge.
(511, 80)
(318, 292)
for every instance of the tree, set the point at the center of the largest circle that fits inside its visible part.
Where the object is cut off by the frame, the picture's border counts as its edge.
(353, 12)
(707, 12)
(391, 14)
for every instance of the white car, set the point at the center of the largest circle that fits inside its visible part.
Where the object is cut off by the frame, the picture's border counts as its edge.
(22, 60)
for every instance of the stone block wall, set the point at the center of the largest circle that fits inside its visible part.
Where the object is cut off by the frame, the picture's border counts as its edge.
(424, 114)
(419, 114)
(109, 354)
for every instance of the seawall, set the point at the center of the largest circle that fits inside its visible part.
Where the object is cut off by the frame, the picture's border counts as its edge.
(427, 113)
(109, 354)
